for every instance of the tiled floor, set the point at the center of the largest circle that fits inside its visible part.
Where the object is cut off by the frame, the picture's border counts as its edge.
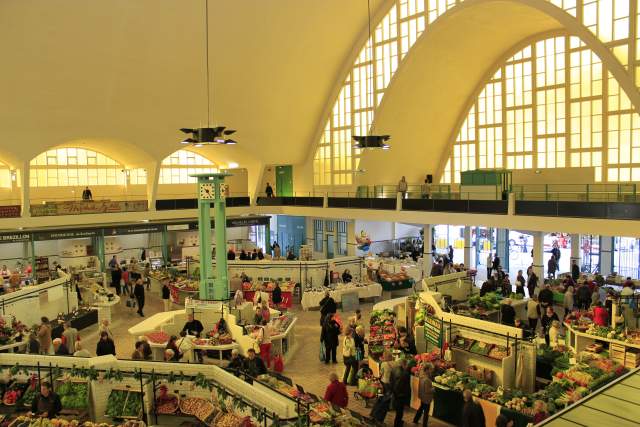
(305, 367)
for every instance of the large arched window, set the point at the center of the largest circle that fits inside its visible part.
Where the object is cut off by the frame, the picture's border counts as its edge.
(66, 167)
(335, 160)
(551, 105)
(5, 176)
(177, 167)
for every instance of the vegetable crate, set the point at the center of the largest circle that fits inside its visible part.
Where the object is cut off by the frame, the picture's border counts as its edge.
(124, 403)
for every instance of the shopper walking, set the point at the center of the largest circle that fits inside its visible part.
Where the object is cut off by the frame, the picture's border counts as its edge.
(425, 393)
(329, 336)
(532, 283)
(548, 317)
(552, 266)
(268, 190)
(105, 345)
(116, 277)
(520, 283)
(349, 358)
(472, 413)
(583, 297)
(567, 301)
(166, 295)
(402, 187)
(533, 313)
(489, 264)
(276, 295)
(450, 254)
(138, 292)
(327, 306)
(575, 270)
(546, 297)
(496, 263)
(86, 194)
(264, 340)
(401, 386)
(70, 335)
(44, 336)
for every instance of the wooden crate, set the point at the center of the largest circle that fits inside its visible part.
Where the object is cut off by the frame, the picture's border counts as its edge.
(631, 359)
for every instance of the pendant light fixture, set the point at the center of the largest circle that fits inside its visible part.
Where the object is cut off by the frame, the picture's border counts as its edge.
(370, 141)
(218, 135)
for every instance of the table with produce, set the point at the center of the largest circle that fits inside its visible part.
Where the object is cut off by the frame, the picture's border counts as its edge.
(249, 292)
(206, 411)
(183, 288)
(80, 318)
(313, 295)
(487, 307)
(27, 421)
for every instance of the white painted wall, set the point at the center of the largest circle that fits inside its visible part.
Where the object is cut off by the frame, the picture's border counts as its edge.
(406, 230)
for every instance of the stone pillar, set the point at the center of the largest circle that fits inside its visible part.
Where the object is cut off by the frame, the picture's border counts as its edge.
(24, 194)
(351, 238)
(467, 246)
(575, 250)
(606, 255)
(427, 253)
(153, 178)
(538, 254)
(502, 248)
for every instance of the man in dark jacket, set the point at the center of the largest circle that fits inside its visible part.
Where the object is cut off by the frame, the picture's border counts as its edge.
(401, 388)
(329, 336)
(546, 297)
(507, 313)
(575, 271)
(138, 292)
(193, 326)
(46, 404)
(276, 295)
(327, 306)
(236, 364)
(532, 282)
(583, 297)
(496, 263)
(472, 414)
(253, 365)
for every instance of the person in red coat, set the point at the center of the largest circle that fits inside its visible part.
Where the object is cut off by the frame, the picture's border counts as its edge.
(336, 392)
(600, 315)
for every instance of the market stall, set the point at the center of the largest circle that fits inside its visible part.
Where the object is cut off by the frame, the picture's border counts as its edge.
(393, 266)
(312, 296)
(249, 290)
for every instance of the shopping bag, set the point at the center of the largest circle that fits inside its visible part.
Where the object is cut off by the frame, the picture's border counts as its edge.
(351, 377)
(323, 353)
(278, 364)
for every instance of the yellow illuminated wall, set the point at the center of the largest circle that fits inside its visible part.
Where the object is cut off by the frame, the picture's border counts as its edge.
(177, 167)
(67, 167)
(549, 106)
(525, 117)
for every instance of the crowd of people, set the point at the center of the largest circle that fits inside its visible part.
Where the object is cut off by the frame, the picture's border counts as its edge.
(258, 255)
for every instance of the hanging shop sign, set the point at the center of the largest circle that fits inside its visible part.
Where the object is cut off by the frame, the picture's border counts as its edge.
(177, 227)
(433, 330)
(65, 234)
(133, 229)
(14, 237)
(11, 211)
(88, 207)
(237, 222)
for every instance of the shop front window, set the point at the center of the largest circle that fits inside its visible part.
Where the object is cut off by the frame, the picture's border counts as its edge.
(626, 261)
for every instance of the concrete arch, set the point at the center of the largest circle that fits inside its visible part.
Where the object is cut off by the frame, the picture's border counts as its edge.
(125, 153)
(429, 94)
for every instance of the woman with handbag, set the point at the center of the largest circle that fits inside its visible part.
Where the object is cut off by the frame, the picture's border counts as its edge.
(349, 358)
(360, 341)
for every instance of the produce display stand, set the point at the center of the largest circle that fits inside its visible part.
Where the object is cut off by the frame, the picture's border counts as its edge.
(473, 332)
(624, 352)
(79, 321)
(105, 374)
(249, 291)
(312, 298)
(455, 285)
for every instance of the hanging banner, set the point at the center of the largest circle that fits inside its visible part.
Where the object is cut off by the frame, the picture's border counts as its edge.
(65, 234)
(88, 207)
(133, 229)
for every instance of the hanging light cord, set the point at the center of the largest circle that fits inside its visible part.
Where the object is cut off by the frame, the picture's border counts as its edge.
(206, 47)
(369, 40)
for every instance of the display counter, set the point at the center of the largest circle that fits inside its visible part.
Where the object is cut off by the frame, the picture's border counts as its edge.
(311, 299)
(105, 308)
(249, 292)
(179, 295)
(393, 265)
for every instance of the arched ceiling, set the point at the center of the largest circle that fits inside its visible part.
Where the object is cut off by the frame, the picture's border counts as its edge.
(432, 89)
(132, 73)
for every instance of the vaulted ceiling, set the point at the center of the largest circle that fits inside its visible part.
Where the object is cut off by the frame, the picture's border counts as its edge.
(122, 76)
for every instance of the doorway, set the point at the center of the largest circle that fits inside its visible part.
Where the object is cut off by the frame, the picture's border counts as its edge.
(284, 181)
